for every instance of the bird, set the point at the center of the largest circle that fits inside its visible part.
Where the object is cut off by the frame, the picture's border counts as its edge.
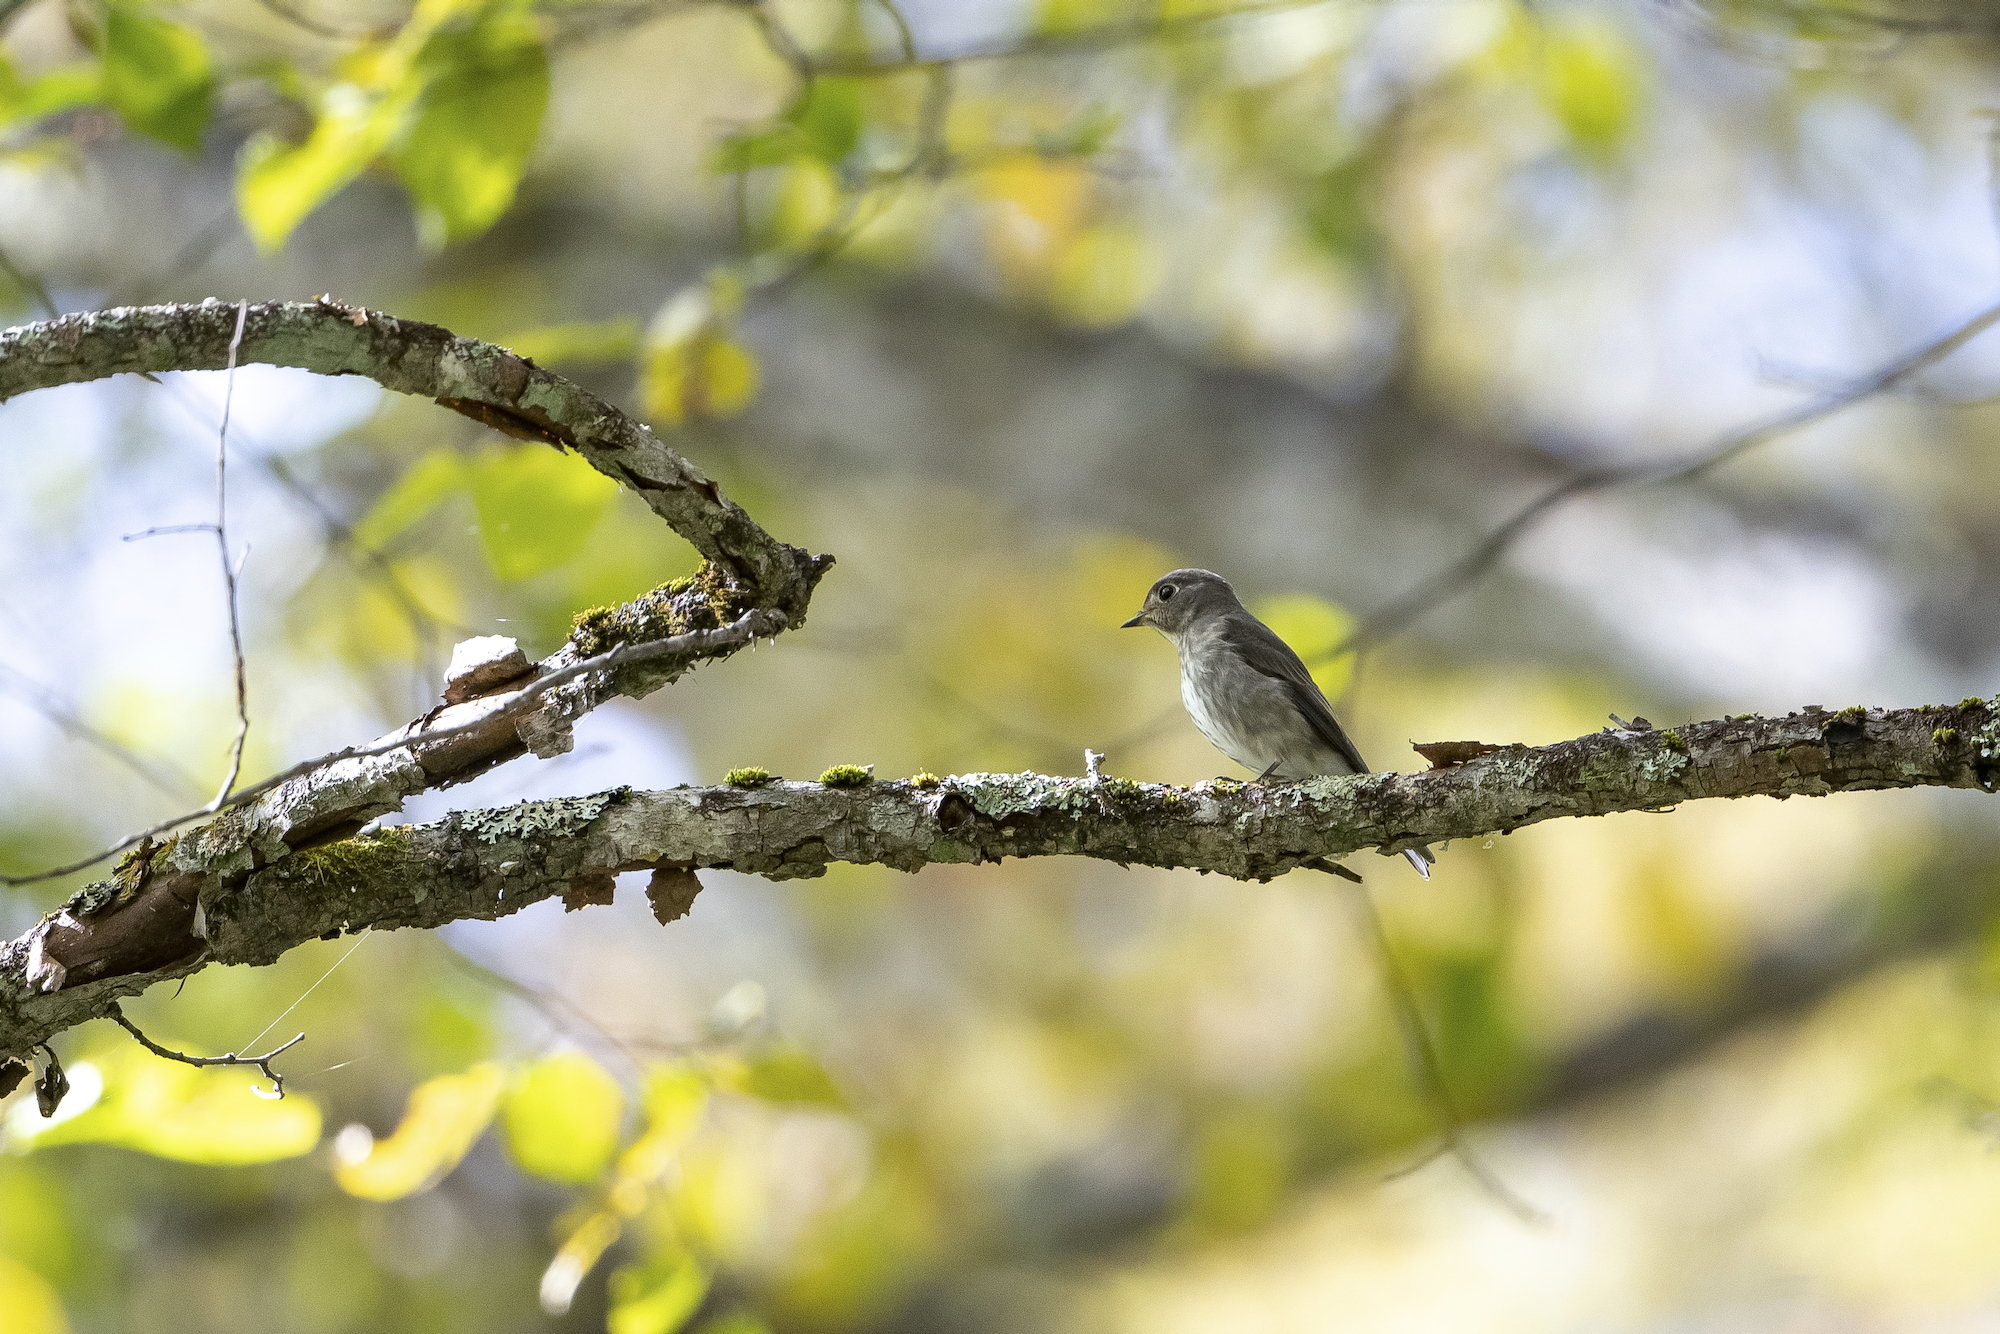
(1245, 688)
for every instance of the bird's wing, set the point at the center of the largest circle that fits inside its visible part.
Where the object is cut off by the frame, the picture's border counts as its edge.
(1260, 647)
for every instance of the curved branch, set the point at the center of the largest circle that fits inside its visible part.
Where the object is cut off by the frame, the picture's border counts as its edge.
(489, 864)
(749, 570)
(262, 1063)
(481, 380)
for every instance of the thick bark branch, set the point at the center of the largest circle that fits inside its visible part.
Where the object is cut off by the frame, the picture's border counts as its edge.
(749, 572)
(146, 923)
(492, 863)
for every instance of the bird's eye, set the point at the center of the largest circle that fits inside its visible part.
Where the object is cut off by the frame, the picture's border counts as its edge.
(1166, 592)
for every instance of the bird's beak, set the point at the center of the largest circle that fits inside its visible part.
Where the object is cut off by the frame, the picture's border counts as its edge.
(1135, 622)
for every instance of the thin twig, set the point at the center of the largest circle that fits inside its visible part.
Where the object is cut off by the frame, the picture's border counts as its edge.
(760, 624)
(904, 37)
(230, 571)
(262, 1063)
(1431, 1082)
(559, 1010)
(45, 702)
(28, 282)
(1095, 38)
(1458, 576)
(781, 42)
(168, 530)
(427, 628)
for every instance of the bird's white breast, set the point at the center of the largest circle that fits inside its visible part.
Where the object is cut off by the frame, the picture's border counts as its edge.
(1203, 658)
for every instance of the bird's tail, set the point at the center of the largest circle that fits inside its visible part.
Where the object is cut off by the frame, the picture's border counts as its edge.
(1421, 859)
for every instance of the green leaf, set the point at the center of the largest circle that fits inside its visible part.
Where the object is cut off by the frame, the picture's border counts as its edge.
(277, 186)
(536, 506)
(562, 1119)
(31, 1305)
(1339, 209)
(415, 494)
(170, 1110)
(657, 1299)
(1087, 137)
(157, 76)
(582, 344)
(1593, 81)
(58, 90)
(782, 1074)
(486, 90)
(443, 1120)
(1313, 627)
(828, 118)
(768, 147)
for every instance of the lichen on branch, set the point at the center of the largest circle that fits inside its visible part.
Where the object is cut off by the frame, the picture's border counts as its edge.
(489, 864)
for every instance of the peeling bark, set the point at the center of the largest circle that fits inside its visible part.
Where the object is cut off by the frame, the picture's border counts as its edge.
(488, 864)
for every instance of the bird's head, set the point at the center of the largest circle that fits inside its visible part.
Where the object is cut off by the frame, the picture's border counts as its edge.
(1180, 598)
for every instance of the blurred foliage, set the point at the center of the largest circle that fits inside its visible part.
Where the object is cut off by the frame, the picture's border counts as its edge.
(129, 1098)
(1039, 1095)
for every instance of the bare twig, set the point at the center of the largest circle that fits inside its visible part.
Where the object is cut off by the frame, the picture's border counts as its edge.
(1097, 38)
(168, 530)
(229, 570)
(781, 42)
(1430, 1072)
(45, 702)
(305, 22)
(262, 1063)
(904, 37)
(1460, 575)
(27, 282)
(753, 625)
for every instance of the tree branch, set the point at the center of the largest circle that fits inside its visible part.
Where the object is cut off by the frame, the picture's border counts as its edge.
(481, 380)
(205, 899)
(755, 584)
(262, 1063)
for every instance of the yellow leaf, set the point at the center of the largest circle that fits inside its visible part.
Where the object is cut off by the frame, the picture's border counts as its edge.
(562, 1119)
(136, 1100)
(582, 344)
(1039, 208)
(704, 377)
(445, 1117)
(537, 507)
(1592, 79)
(657, 1299)
(29, 1303)
(278, 185)
(675, 1099)
(808, 202)
(415, 494)
(1103, 276)
(1313, 627)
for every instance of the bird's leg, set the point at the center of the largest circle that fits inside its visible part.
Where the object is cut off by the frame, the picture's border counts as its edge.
(1268, 772)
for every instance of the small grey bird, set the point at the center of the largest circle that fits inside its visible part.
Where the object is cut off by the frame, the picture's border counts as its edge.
(1245, 688)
